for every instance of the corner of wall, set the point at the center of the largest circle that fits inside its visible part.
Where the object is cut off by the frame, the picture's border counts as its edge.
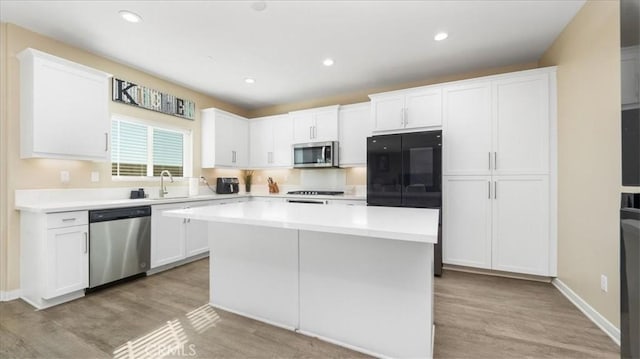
(3, 156)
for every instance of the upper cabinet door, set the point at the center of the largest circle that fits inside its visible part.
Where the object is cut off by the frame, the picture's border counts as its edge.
(225, 139)
(282, 139)
(260, 142)
(69, 100)
(387, 112)
(354, 130)
(303, 123)
(423, 108)
(326, 125)
(315, 125)
(240, 144)
(521, 125)
(466, 131)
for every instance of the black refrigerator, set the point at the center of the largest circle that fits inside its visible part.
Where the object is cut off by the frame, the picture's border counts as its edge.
(405, 170)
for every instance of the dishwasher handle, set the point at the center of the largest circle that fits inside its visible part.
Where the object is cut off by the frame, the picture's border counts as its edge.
(113, 214)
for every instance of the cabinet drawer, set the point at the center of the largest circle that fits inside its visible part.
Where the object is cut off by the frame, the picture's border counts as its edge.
(67, 219)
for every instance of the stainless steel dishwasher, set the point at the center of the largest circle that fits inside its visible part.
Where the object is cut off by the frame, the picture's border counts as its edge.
(119, 244)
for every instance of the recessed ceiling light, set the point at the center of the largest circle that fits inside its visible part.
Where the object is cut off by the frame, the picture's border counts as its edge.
(249, 80)
(328, 62)
(258, 5)
(441, 36)
(130, 16)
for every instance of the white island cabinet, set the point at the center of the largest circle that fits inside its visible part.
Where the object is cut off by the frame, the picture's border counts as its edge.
(356, 276)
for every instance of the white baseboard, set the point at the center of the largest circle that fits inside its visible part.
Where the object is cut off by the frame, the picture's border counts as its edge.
(6, 296)
(589, 311)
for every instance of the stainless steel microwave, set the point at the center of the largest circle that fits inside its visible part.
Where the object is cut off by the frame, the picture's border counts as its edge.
(315, 155)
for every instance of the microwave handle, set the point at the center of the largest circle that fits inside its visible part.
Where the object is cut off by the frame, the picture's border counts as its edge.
(324, 154)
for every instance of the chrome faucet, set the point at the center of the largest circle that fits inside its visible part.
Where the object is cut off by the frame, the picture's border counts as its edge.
(163, 188)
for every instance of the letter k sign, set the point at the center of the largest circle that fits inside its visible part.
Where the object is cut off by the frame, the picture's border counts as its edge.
(122, 91)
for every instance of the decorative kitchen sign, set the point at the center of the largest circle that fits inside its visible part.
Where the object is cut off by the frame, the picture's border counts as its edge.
(140, 96)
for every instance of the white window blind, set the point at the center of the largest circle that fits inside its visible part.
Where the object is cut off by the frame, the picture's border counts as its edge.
(168, 152)
(128, 149)
(141, 150)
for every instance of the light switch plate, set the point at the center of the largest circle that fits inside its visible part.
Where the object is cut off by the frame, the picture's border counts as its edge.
(65, 177)
(95, 176)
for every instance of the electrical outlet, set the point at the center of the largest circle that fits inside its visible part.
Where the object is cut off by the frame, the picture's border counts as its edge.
(95, 176)
(65, 177)
(603, 283)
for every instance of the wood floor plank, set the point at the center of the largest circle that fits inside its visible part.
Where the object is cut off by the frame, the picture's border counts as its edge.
(477, 316)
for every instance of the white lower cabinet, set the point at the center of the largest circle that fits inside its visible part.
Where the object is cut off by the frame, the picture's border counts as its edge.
(67, 262)
(521, 224)
(167, 235)
(499, 223)
(466, 221)
(54, 257)
(174, 239)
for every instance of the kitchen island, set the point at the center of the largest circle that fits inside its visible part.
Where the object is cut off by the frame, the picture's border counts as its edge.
(360, 277)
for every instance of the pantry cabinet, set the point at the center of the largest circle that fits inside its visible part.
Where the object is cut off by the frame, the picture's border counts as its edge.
(500, 223)
(466, 129)
(270, 141)
(417, 108)
(520, 227)
(466, 221)
(498, 146)
(354, 122)
(54, 257)
(225, 139)
(67, 99)
(497, 127)
(315, 125)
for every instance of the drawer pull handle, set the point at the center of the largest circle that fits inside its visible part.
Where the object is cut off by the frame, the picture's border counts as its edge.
(68, 219)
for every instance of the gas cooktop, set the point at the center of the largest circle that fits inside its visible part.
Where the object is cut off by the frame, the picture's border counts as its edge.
(317, 193)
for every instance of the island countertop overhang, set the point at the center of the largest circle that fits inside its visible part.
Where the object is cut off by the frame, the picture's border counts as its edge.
(404, 224)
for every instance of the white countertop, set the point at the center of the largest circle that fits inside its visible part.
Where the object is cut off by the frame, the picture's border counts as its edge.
(65, 206)
(407, 224)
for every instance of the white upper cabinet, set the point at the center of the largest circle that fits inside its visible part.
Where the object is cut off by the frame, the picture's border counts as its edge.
(498, 127)
(630, 77)
(225, 139)
(466, 129)
(411, 109)
(270, 141)
(354, 121)
(521, 125)
(64, 108)
(315, 125)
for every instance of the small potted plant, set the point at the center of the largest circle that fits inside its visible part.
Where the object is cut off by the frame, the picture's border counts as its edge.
(248, 178)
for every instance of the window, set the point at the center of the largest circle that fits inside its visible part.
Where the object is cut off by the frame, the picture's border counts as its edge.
(142, 150)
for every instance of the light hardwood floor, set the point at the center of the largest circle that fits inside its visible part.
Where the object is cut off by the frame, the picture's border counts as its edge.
(476, 317)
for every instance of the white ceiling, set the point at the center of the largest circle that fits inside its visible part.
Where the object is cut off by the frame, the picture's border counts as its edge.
(211, 46)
